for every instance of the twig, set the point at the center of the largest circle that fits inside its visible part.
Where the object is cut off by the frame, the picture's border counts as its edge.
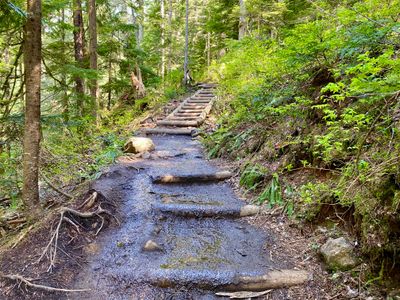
(29, 282)
(21, 237)
(58, 190)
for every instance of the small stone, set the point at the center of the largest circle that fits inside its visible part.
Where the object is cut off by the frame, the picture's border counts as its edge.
(138, 145)
(151, 246)
(146, 155)
(338, 254)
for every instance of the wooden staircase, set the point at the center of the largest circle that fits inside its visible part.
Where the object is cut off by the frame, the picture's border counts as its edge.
(189, 115)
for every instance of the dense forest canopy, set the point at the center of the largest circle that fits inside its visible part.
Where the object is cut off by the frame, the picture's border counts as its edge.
(303, 85)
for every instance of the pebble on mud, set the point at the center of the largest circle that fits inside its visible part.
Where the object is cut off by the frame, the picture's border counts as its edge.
(338, 254)
(138, 145)
(151, 246)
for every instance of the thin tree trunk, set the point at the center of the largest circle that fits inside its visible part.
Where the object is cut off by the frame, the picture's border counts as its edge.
(208, 49)
(186, 76)
(136, 73)
(65, 104)
(79, 53)
(31, 148)
(242, 19)
(170, 35)
(162, 39)
(109, 83)
(94, 88)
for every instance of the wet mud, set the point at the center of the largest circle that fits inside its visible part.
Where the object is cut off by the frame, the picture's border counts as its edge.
(203, 245)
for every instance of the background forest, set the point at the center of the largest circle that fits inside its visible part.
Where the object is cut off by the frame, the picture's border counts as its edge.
(308, 99)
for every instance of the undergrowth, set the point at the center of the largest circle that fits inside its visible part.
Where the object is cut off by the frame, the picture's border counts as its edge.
(313, 117)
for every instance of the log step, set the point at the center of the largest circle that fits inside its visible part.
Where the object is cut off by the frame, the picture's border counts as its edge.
(161, 130)
(198, 101)
(178, 123)
(190, 111)
(182, 118)
(200, 98)
(192, 178)
(202, 211)
(192, 107)
(274, 279)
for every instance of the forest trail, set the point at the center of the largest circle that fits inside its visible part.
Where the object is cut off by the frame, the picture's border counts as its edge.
(182, 234)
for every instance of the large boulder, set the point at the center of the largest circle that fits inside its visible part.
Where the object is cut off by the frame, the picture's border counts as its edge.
(338, 254)
(139, 145)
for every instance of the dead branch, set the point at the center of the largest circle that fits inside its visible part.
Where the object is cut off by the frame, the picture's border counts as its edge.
(28, 282)
(89, 202)
(58, 190)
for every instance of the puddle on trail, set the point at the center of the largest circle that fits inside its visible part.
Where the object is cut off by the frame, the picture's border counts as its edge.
(195, 253)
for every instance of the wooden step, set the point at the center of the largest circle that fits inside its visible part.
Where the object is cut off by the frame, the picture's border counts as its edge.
(179, 123)
(191, 178)
(182, 118)
(192, 107)
(175, 131)
(189, 111)
(198, 101)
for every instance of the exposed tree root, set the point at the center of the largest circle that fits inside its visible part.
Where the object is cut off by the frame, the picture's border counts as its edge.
(65, 215)
(28, 282)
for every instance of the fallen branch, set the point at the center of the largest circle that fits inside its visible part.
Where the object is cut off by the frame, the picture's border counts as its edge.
(58, 190)
(28, 282)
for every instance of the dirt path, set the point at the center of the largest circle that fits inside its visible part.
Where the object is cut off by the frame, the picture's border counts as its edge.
(194, 252)
(200, 244)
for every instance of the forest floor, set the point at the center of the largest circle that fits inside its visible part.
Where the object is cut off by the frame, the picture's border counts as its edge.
(104, 255)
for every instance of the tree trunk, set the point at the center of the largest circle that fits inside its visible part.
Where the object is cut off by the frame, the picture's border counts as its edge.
(31, 148)
(242, 19)
(162, 39)
(109, 83)
(79, 53)
(186, 75)
(170, 35)
(136, 74)
(94, 88)
(65, 104)
(208, 50)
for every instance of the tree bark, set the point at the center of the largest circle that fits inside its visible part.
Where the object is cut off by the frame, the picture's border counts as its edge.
(136, 74)
(94, 88)
(162, 39)
(65, 103)
(79, 46)
(242, 19)
(31, 147)
(170, 32)
(186, 75)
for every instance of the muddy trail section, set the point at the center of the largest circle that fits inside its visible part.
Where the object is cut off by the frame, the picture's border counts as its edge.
(183, 233)
(198, 242)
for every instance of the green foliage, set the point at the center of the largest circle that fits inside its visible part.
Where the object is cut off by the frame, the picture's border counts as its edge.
(252, 176)
(321, 81)
(272, 193)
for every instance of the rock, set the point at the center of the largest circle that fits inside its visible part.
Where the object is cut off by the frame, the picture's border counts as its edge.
(146, 155)
(138, 145)
(338, 254)
(151, 246)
